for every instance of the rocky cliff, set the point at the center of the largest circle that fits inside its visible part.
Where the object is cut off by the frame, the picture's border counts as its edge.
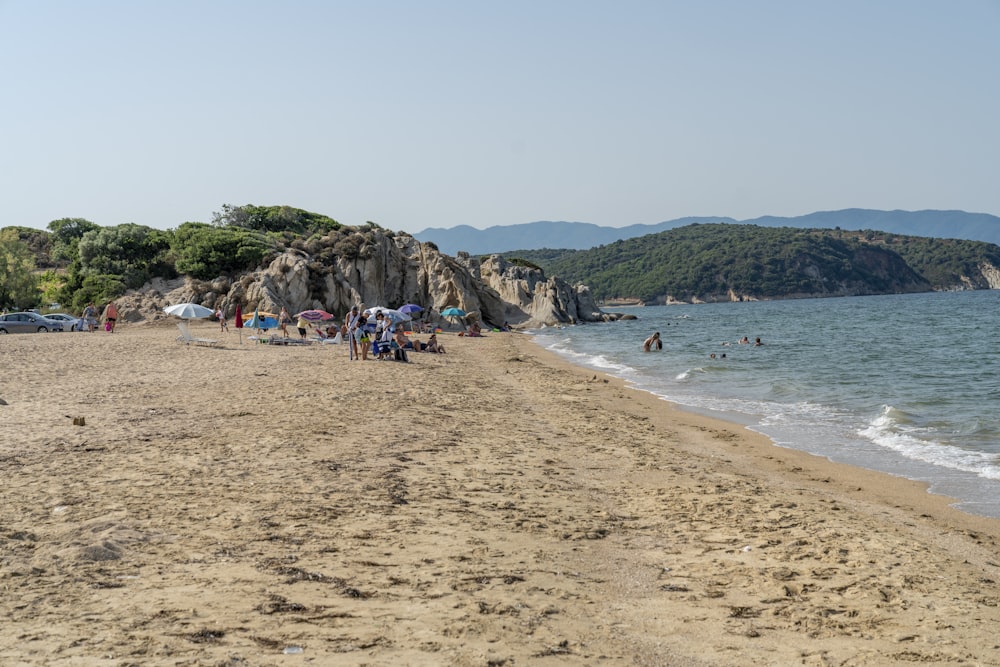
(378, 267)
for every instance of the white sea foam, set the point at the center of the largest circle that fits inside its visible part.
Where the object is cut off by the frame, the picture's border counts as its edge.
(893, 430)
(598, 361)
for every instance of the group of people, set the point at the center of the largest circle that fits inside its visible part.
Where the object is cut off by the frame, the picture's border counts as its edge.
(92, 317)
(655, 342)
(381, 338)
(369, 335)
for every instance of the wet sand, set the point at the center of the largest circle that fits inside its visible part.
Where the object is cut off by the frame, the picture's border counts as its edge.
(271, 505)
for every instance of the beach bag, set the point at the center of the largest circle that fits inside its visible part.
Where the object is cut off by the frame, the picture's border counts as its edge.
(107, 326)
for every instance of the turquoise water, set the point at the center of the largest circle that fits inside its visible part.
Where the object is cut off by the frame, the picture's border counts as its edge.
(904, 384)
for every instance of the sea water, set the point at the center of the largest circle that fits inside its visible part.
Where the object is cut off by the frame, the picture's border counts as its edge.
(903, 384)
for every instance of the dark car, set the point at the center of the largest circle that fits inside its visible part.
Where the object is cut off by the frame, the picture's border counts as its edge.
(27, 323)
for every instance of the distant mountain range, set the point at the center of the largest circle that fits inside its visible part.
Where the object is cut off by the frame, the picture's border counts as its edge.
(583, 236)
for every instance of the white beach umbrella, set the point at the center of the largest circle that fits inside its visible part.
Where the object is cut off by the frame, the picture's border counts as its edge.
(189, 311)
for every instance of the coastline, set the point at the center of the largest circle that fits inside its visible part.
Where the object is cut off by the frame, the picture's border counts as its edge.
(493, 505)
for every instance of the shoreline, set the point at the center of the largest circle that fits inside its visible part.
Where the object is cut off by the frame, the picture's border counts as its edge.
(492, 505)
(886, 486)
(898, 440)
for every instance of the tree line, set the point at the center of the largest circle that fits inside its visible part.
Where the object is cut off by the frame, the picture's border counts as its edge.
(75, 261)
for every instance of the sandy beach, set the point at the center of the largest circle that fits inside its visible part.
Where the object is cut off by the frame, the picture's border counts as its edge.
(249, 504)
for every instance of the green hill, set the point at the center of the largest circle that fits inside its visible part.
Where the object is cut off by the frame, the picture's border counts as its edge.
(723, 262)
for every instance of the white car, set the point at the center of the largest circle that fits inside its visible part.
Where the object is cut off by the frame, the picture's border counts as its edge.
(69, 322)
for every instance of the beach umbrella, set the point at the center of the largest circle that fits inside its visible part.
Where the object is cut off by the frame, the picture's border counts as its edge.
(395, 316)
(452, 311)
(238, 323)
(259, 313)
(411, 309)
(315, 315)
(189, 311)
(370, 312)
(258, 322)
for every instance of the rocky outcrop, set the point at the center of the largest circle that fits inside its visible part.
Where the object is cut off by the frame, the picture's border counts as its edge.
(991, 275)
(377, 267)
(529, 297)
(988, 277)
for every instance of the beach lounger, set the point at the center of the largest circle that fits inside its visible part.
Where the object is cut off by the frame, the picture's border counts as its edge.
(187, 338)
(336, 340)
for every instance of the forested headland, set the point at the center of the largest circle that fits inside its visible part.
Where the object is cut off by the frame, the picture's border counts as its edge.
(723, 262)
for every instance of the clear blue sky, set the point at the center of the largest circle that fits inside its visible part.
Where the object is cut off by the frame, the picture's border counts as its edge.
(438, 113)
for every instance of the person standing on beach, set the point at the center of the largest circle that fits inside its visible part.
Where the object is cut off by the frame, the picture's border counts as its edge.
(221, 316)
(364, 342)
(284, 319)
(90, 316)
(303, 326)
(110, 316)
(350, 331)
(652, 341)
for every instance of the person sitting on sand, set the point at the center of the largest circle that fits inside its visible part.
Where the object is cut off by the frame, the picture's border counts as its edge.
(474, 330)
(433, 345)
(651, 342)
(402, 341)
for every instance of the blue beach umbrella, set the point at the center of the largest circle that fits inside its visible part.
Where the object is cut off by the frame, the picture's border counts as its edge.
(258, 322)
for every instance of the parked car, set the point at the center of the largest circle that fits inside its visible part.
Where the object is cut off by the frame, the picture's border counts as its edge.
(69, 322)
(27, 323)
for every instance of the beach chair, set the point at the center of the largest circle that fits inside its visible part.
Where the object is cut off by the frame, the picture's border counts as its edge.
(326, 340)
(187, 338)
